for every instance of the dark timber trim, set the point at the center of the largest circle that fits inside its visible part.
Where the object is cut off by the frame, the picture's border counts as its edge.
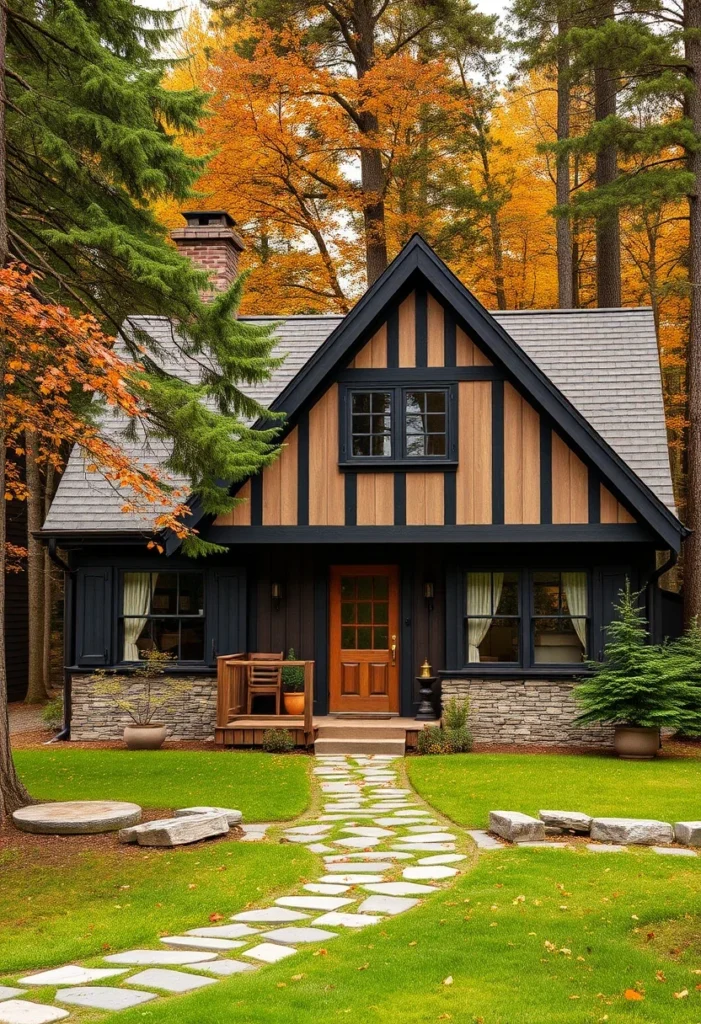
(449, 499)
(351, 498)
(449, 338)
(497, 451)
(257, 499)
(546, 471)
(393, 337)
(399, 500)
(594, 497)
(571, 533)
(412, 375)
(303, 471)
(421, 321)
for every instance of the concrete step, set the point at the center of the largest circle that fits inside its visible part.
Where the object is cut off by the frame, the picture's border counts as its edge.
(360, 731)
(365, 745)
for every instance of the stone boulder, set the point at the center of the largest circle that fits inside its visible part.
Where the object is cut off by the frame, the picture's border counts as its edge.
(233, 817)
(516, 827)
(688, 832)
(637, 831)
(176, 831)
(572, 821)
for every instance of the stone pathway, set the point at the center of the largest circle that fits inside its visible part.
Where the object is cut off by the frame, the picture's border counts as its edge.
(383, 853)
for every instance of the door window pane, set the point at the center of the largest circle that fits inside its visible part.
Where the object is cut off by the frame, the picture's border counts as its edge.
(380, 642)
(364, 638)
(348, 638)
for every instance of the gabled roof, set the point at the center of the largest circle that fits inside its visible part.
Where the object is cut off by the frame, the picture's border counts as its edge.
(595, 372)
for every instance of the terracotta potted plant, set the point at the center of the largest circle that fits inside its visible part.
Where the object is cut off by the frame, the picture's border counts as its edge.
(141, 701)
(293, 686)
(639, 687)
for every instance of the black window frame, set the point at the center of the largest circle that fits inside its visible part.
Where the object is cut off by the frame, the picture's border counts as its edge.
(398, 435)
(178, 617)
(526, 663)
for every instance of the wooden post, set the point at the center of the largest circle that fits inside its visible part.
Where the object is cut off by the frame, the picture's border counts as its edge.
(308, 702)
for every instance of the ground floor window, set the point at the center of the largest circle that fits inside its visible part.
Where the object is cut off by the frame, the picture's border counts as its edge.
(163, 611)
(526, 618)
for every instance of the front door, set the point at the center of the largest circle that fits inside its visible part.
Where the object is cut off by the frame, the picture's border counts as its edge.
(364, 638)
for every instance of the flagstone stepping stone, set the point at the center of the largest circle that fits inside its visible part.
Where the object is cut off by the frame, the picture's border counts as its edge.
(605, 848)
(483, 840)
(337, 919)
(430, 837)
(176, 831)
(137, 957)
(371, 867)
(574, 821)
(402, 821)
(367, 830)
(170, 981)
(399, 888)
(287, 935)
(421, 829)
(270, 915)
(674, 851)
(351, 788)
(71, 975)
(326, 890)
(303, 839)
(336, 808)
(224, 968)
(224, 931)
(688, 832)
(313, 902)
(320, 848)
(270, 952)
(232, 817)
(413, 814)
(370, 855)
(386, 905)
(428, 872)
(639, 831)
(6, 992)
(547, 846)
(351, 879)
(428, 847)
(193, 942)
(357, 842)
(19, 1011)
(99, 997)
(306, 830)
(382, 794)
(516, 827)
(76, 817)
(443, 858)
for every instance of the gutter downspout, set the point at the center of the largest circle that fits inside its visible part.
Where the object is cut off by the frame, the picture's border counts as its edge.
(65, 733)
(651, 588)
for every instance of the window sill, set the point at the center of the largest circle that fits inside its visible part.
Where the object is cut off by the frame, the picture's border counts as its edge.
(515, 672)
(399, 466)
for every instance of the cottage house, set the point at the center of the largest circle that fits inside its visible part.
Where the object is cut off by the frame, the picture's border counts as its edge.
(459, 486)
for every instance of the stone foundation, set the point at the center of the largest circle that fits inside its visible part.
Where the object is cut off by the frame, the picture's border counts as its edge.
(537, 711)
(189, 713)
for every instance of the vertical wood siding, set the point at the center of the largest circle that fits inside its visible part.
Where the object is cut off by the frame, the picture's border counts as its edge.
(521, 459)
(466, 352)
(424, 499)
(474, 474)
(435, 352)
(570, 485)
(326, 487)
(373, 355)
(611, 509)
(407, 331)
(280, 486)
(375, 499)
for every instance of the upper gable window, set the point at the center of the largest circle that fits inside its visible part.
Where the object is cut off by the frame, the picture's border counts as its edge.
(400, 424)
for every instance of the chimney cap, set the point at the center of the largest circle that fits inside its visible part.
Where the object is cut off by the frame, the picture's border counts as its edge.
(208, 218)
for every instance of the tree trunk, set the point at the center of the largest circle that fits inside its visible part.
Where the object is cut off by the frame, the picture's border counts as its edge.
(48, 588)
(372, 183)
(36, 691)
(692, 547)
(563, 226)
(494, 225)
(3, 161)
(608, 232)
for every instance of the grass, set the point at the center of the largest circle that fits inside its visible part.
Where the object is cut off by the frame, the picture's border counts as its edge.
(263, 786)
(528, 937)
(466, 787)
(78, 904)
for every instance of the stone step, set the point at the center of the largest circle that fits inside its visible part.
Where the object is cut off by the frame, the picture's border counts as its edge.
(359, 730)
(366, 745)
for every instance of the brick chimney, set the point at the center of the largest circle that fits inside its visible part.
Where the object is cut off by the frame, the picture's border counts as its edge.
(210, 241)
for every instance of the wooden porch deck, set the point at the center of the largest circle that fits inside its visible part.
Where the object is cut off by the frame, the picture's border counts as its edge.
(247, 730)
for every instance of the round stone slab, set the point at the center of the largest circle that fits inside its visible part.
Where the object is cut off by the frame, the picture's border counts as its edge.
(76, 817)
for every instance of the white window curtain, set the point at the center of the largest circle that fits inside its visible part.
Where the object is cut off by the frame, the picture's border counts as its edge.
(574, 585)
(479, 604)
(138, 588)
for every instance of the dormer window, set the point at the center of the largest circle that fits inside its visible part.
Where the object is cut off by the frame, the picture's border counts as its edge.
(398, 425)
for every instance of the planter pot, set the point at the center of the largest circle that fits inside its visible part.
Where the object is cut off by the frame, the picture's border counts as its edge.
(294, 703)
(636, 742)
(145, 737)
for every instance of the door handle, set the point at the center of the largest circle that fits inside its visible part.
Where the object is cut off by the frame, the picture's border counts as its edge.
(393, 649)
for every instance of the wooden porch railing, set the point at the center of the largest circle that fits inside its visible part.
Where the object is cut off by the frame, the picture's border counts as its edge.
(232, 681)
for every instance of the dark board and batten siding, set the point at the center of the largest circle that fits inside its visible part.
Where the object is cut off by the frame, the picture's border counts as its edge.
(513, 468)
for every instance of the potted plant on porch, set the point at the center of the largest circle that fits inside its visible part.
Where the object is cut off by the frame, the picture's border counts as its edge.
(293, 686)
(639, 687)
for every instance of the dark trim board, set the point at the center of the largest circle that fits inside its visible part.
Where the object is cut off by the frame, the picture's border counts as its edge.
(606, 533)
(411, 375)
(546, 471)
(498, 452)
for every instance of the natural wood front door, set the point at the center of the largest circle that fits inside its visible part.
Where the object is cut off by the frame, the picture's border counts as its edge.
(364, 638)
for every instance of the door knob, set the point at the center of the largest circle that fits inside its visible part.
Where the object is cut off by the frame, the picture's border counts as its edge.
(393, 649)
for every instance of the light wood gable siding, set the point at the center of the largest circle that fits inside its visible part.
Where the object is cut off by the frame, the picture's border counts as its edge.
(513, 468)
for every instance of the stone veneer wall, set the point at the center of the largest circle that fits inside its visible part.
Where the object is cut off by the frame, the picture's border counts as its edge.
(538, 711)
(190, 713)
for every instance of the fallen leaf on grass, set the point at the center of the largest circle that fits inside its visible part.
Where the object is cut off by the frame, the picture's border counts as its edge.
(192, 885)
(633, 995)
(660, 975)
(320, 952)
(296, 977)
(681, 995)
(448, 980)
(364, 967)
(216, 917)
(282, 984)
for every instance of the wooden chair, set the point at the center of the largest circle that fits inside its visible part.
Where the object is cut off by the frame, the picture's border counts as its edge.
(264, 679)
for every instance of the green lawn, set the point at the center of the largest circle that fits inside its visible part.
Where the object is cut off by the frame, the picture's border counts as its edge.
(264, 787)
(564, 954)
(466, 787)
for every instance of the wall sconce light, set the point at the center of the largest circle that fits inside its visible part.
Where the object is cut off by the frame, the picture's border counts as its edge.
(428, 595)
(276, 592)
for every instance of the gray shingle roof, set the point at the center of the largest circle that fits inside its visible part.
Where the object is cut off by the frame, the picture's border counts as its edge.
(605, 361)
